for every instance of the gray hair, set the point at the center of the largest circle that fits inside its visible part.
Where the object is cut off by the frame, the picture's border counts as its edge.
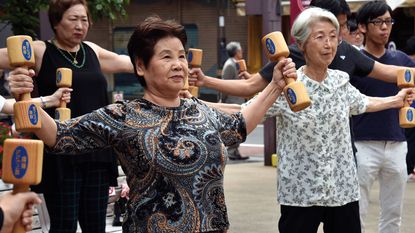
(232, 48)
(301, 28)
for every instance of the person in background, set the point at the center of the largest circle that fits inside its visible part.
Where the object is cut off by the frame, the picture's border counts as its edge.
(230, 71)
(79, 182)
(17, 207)
(317, 174)
(410, 132)
(171, 149)
(354, 37)
(380, 141)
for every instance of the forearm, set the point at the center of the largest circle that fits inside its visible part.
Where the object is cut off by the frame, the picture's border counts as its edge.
(47, 133)
(376, 104)
(243, 87)
(4, 59)
(255, 111)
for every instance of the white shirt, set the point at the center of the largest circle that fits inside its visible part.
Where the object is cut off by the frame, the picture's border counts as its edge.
(316, 166)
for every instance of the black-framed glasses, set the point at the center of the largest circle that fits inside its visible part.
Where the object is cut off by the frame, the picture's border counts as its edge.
(379, 22)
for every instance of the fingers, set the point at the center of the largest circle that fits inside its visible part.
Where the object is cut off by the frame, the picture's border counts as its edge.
(20, 81)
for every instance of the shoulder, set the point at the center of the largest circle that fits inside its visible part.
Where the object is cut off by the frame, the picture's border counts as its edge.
(338, 76)
(96, 48)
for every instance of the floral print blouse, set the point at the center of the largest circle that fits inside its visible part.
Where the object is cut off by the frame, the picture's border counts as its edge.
(316, 166)
(174, 159)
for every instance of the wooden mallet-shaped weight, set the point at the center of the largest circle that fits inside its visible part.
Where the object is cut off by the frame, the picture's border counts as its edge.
(22, 158)
(19, 49)
(194, 57)
(241, 65)
(295, 91)
(405, 79)
(63, 79)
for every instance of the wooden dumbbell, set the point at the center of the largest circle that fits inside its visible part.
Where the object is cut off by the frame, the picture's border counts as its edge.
(19, 49)
(405, 79)
(295, 91)
(241, 65)
(22, 167)
(194, 57)
(63, 79)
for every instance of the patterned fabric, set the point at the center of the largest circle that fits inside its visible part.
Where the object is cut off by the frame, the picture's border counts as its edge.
(316, 165)
(174, 159)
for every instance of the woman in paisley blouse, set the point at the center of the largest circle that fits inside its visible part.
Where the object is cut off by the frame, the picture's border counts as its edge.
(317, 180)
(171, 149)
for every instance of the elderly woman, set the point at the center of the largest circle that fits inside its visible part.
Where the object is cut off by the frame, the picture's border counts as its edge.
(171, 149)
(317, 180)
(81, 182)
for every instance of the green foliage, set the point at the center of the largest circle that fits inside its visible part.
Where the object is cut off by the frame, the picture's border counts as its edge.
(23, 15)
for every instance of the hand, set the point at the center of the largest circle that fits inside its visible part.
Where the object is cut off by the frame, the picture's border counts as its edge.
(405, 94)
(196, 77)
(18, 207)
(125, 191)
(62, 94)
(244, 75)
(20, 81)
(284, 69)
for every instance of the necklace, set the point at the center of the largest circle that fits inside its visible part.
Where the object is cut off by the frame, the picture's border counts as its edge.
(73, 61)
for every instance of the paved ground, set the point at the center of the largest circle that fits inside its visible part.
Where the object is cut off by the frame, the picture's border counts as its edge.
(250, 191)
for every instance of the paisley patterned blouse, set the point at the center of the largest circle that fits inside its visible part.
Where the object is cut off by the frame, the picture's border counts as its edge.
(174, 159)
(316, 166)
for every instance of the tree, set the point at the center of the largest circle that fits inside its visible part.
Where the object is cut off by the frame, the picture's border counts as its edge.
(23, 15)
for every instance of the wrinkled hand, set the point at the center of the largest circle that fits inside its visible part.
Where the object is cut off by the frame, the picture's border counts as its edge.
(125, 191)
(284, 69)
(406, 94)
(244, 75)
(62, 94)
(20, 81)
(196, 77)
(18, 207)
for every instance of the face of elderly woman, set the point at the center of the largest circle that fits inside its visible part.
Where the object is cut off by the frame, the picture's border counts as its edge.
(321, 46)
(73, 27)
(167, 69)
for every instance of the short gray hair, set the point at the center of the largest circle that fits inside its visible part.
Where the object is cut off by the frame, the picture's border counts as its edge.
(301, 28)
(233, 47)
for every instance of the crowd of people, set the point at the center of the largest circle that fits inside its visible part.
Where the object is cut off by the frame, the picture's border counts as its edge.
(173, 150)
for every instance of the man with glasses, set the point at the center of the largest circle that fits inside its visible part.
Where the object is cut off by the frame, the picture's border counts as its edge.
(380, 141)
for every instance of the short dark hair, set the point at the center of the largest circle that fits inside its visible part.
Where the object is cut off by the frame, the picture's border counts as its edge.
(372, 10)
(58, 7)
(337, 7)
(352, 24)
(145, 37)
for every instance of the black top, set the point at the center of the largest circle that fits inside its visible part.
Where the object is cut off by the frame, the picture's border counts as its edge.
(1, 218)
(347, 59)
(89, 93)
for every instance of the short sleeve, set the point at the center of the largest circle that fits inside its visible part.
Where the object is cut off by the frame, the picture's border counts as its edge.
(363, 64)
(357, 101)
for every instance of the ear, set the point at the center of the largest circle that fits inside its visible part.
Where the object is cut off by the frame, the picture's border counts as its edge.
(140, 67)
(362, 28)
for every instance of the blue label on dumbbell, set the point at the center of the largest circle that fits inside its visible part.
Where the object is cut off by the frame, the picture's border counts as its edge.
(270, 46)
(291, 96)
(190, 56)
(409, 115)
(26, 50)
(57, 115)
(408, 76)
(33, 115)
(58, 77)
(20, 161)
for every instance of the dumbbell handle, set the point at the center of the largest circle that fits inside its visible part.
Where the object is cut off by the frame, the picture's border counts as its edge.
(62, 104)
(18, 226)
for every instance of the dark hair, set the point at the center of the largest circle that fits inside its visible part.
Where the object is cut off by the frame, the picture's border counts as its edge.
(352, 24)
(410, 46)
(372, 10)
(145, 37)
(58, 7)
(337, 7)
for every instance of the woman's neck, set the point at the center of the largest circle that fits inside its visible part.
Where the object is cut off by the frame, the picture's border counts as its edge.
(315, 73)
(65, 46)
(162, 100)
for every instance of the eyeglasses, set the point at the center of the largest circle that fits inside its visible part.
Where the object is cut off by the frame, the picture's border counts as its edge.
(379, 22)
